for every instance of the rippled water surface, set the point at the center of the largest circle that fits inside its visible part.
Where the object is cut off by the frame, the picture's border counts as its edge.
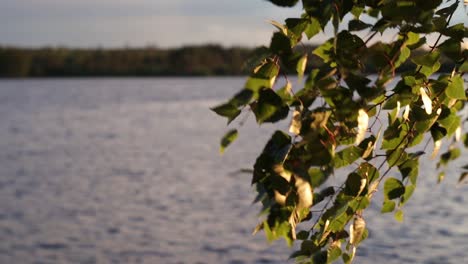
(128, 171)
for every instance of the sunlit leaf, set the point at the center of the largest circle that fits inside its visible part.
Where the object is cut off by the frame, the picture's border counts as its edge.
(399, 216)
(437, 145)
(279, 26)
(301, 66)
(426, 101)
(363, 122)
(388, 206)
(313, 28)
(356, 230)
(295, 126)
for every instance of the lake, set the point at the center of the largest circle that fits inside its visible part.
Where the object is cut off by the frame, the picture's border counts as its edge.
(129, 171)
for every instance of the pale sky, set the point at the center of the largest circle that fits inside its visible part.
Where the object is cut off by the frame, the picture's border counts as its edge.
(136, 23)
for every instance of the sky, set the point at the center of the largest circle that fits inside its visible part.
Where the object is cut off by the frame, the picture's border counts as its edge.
(136, 23)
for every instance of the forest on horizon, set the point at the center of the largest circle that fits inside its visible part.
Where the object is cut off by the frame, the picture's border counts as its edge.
(200, 60)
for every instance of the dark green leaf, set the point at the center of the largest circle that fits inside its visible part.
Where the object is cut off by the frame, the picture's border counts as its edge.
(463, 177)
(228, 138)
(227, 110)
(410, 168)
(317, 177)
(450, 155)
(284, 3)
(280, 44)
(353, 184)
(428, 59)
(393, 188)
(347, 156)
(270, 107)
(242, 98)
(296, 26)
(396, 157)
(357, 25)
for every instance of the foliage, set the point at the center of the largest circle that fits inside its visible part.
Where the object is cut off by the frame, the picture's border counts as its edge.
(343, 118)
(151, 61)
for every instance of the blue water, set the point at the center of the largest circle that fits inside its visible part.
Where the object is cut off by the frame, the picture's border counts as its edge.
(128, 171)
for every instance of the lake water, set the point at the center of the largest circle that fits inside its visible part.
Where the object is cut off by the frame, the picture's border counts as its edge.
(128, 171)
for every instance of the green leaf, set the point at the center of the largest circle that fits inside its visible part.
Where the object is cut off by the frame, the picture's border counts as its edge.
(428, 59)
(450, 155)
(227, 139)
(388, 206)
(464, 67)
(296, 26)
(393, 188)
(410, 168)
(449, 120)
(404, 55)
(334, 252)
(280, 44)
(313, 28)
(301, 66)
(242, 98)
(347, 156)
(413, 38)
(399, 216)
(227, 110)
(396, 157)
(463, 177)
(452, 49)
(409, 190)
(317, 177)
(368, 171)
(357, 25)
(455, 89)
(353, 184)
(325, 51)
(440, 177)
(270, 107)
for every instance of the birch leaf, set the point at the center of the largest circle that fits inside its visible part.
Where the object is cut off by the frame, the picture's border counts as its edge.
(406, 113)
(437, 146)
(463, 177)
(279, 26)
(458, 134)
(296, 124)
(363, 122)
(227, 139)
(356, 230)
(426, 101)
(301, 66)
(304, 193)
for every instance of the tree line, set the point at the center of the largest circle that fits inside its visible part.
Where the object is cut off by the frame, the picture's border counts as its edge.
(202, 60)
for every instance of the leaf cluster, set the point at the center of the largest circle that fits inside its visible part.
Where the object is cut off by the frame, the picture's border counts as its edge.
(348, 124)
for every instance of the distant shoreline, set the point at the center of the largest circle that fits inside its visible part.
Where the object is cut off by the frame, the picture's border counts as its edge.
(188, 61)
